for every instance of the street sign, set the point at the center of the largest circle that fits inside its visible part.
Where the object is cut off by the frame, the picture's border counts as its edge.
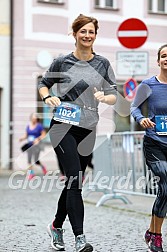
(130, 89)
(132, 63)
(132, 33)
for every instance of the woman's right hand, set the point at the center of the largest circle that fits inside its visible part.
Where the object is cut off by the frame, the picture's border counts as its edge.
(53, 101)
(147, 123)
(21, 139)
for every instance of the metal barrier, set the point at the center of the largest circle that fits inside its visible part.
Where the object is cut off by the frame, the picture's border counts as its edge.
(119, 168)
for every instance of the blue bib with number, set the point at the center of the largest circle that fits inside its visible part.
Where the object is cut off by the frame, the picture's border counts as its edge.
(67, 113)
(31, 138)
(161, 124)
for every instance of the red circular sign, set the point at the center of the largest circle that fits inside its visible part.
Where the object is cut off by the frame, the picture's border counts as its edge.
(132, 33)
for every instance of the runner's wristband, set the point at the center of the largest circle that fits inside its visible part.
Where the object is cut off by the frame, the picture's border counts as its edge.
(46, 97)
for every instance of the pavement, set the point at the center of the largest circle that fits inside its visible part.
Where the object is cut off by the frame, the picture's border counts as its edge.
(26, 208)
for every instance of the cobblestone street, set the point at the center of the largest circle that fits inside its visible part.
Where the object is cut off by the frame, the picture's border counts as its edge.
(25, 214)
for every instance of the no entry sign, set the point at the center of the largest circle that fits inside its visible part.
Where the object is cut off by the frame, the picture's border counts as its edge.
(130, 89)
(132, 33)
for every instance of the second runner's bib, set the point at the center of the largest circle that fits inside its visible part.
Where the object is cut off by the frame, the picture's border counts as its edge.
(161, 124)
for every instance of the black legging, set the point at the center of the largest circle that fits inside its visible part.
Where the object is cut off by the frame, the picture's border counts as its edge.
(156, 159)
(73, 146)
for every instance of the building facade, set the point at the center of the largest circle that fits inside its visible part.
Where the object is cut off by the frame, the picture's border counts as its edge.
(41, 31)
(5, 80)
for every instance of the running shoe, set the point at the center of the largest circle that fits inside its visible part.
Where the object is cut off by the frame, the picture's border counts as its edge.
(31, 174)
(81, 245)
(147, 237)
(56, 235)
(155, 244)
(44, 170)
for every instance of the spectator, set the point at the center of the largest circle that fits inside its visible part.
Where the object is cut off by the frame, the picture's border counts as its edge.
(34, 134)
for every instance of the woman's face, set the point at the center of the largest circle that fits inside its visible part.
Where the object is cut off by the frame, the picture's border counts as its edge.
(34, 118)
(85, 36)
(162, 62)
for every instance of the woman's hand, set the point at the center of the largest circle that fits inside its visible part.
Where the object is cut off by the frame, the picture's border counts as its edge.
(36, 141)
(147, 123)
(99, 95)
(108, 99)
(53, 101)
(23, 138)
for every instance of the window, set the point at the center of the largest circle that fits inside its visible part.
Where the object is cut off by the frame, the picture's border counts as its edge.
(51, 1)
(106, 4)
(158, 6)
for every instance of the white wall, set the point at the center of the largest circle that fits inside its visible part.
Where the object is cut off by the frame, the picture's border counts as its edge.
(4, 82)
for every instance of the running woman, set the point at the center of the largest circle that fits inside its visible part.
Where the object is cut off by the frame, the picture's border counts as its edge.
(82, 79)
(154, 91)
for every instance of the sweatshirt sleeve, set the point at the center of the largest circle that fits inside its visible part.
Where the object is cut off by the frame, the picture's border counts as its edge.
(52, 75)
(109, 83)
(142, 93)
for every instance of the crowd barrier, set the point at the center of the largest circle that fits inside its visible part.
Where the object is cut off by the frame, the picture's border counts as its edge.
(119, 168)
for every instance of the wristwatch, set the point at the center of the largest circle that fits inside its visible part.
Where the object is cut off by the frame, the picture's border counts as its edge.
(46, 97)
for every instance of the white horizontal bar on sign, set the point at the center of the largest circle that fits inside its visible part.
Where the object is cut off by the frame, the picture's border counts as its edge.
(132, 33)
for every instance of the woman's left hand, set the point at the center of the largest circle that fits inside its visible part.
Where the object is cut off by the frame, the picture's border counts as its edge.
(99, 95)
(36, 141)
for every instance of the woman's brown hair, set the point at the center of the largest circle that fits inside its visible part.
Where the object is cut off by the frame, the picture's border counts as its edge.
(35, 115)
(159, 51)
(82, 20)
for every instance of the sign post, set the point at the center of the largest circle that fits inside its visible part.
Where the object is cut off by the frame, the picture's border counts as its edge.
(132, 33)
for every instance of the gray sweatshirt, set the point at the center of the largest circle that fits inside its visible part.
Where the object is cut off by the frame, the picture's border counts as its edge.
(74, 81)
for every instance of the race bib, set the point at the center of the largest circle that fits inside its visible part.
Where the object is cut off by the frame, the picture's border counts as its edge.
(161, 124)
(67, 113)
(31, 138)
